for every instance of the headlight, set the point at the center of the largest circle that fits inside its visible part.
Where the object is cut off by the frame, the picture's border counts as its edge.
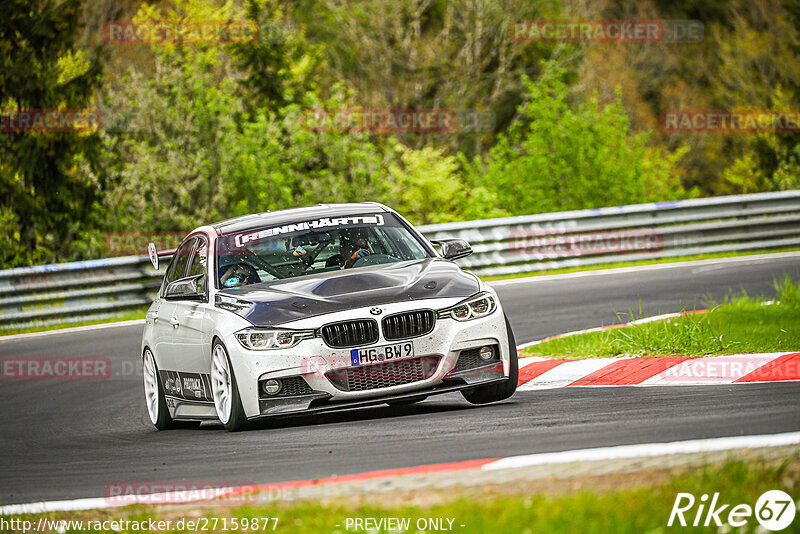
(231, 303)
(265, 339)
(475, 307)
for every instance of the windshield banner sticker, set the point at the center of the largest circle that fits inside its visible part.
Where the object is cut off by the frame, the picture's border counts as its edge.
(326, 222)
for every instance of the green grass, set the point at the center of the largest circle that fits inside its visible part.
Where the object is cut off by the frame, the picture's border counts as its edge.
(641, 506)
(136, 313)
(620, 264)
(628, 511)
(737, 325)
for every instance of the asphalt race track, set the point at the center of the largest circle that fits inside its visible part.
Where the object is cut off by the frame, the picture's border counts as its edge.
(69, 439)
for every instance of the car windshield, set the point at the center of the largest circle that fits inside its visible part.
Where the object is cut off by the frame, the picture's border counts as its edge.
(314, 246)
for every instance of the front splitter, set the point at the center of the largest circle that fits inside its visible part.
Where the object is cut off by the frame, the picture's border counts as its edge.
(324, 406)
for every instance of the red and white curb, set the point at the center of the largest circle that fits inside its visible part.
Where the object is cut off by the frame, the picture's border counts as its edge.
(548, 373)
(643, 450)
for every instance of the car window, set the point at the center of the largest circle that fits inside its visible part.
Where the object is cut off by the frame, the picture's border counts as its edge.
(314, 246)
(177, 267)
(199, 262)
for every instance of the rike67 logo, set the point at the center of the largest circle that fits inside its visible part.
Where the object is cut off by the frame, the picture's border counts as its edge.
(774, 510)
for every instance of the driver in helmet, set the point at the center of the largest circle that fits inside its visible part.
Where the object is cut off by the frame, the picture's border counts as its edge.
(239, 274)
(353, 244)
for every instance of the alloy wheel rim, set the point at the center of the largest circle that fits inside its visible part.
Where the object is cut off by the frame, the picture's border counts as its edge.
(221, 384)
(150, 386)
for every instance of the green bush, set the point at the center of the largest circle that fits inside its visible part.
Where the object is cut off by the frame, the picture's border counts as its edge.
(429, 188)
(562, 155)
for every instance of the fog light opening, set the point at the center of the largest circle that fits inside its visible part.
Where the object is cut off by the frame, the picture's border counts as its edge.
(271, 386)
(486, 353)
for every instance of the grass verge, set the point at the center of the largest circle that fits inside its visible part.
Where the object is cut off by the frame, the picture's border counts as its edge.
(621, 508)
(619, 264)
(137, 313)
(738, 325)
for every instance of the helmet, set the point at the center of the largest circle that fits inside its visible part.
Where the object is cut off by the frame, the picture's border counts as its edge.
(352, 237)
(239, 274)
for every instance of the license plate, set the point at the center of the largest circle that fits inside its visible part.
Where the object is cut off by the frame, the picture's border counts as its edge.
(383, 353)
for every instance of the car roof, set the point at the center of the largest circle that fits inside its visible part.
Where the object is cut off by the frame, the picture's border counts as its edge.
(286, 216)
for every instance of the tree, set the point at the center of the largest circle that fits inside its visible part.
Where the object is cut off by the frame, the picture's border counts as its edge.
(279, 161)
(562, 155)
(455, 54)
(214, 132)
(429, 188)
(279, 65)
(164, 154)
(43, 68)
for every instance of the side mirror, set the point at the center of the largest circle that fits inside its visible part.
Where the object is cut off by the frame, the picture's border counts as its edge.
(185, 289)
(453, 249)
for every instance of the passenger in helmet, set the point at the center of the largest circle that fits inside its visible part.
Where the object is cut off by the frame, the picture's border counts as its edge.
(239, 274)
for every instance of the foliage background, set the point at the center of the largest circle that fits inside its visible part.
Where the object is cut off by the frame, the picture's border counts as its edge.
(193, 134)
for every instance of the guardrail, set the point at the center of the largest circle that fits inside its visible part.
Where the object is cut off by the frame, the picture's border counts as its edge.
(95, 289)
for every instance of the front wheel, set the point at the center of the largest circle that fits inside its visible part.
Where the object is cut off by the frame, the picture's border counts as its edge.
(503, 390)
(225, 391)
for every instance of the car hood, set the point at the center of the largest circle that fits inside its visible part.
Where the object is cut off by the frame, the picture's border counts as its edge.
(281, 301)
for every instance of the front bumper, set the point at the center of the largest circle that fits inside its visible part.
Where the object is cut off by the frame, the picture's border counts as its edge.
(325, 404)
(314, 362)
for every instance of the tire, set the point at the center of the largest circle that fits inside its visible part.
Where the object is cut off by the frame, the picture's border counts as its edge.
(225, 390)
(406, 402)
(154, 393)
(503, 390)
